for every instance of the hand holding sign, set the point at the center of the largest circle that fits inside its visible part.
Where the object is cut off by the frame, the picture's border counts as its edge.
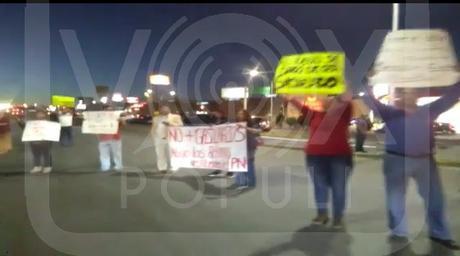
(311, 73)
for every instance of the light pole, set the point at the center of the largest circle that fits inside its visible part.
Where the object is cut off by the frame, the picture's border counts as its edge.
(254, 73)
(156, 80)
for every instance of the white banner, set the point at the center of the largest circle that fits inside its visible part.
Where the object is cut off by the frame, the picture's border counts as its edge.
(41, 130)
(218, 147)
(416, 58)
(66, 120)
(100, 122)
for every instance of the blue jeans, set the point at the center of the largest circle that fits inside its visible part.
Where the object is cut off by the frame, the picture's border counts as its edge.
(247, 178)
(397, 171)
(330, 172)
(107, 149)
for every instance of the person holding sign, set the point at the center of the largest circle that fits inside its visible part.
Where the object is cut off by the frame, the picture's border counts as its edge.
(160, 136)
(65, 119)
(41, 149)
(409, 146)
(244, 180)
(5, 133)
(328, 153)
(110, 145)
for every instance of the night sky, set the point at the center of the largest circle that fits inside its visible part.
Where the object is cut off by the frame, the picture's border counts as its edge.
(105, 32)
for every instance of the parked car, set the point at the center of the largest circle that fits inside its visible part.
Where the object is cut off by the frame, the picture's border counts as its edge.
(443, 128)
(139, 113)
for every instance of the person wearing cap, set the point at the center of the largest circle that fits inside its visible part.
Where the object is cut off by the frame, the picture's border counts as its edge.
(409, 153)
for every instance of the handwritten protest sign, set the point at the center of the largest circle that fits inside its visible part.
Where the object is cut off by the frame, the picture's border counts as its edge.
(311, 73)
(41, 131)
(219, 147)
(63, 101)
(66, 120)
(100, 122)
(416, 58)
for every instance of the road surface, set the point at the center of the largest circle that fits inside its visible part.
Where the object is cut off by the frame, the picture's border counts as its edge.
(77, 210)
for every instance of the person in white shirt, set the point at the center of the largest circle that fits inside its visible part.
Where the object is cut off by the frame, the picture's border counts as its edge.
(160, 136)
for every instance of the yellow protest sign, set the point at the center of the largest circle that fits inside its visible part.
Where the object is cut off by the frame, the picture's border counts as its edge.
(311, 73)
(64, 101)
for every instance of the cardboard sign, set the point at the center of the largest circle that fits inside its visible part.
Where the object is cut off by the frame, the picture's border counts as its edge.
(63, 101)
(66, 120)
(219, 147)
(175, 120)
(416, 58)
(100, 122)
(311, 73)
(41, 130)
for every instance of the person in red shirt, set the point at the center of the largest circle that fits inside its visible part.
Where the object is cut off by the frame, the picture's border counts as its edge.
(111, 145)
(328, 153)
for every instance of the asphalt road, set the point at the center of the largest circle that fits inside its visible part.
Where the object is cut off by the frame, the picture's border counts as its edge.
(77, 210)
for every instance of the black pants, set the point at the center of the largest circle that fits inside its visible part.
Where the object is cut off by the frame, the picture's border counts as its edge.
(66, 136)
(360, 139)
(41, 151)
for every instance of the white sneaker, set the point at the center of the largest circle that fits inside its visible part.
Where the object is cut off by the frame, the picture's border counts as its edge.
(36, 169)
(47, 169)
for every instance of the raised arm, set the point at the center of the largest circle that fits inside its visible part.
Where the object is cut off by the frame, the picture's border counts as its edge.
(386, 112)
(444, 103)
(297, 104)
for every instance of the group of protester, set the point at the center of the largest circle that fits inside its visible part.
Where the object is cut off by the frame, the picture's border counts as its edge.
(409, 153)
(243, 180)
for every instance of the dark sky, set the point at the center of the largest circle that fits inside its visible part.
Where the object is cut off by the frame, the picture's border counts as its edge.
(105, 32)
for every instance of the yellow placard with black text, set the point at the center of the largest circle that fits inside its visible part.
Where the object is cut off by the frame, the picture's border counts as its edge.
(311, 73)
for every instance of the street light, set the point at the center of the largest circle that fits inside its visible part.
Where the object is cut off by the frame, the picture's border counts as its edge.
(252, 74)
(172, 93)
(159, 80)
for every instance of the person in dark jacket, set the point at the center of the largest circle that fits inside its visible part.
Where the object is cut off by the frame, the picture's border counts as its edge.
(244, 180)
(65, 119)
(362, 127)
(41, 150)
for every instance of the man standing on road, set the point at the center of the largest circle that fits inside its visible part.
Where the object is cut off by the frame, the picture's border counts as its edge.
(362, 127)
(160, 136)
(111, 145)
(218, 118)
(409, 145)
(328, 154)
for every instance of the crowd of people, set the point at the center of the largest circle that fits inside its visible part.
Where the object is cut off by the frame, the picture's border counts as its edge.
(409, 153)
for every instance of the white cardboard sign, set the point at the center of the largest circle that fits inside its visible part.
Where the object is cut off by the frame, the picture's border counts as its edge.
(41, 130)
(416, 58)
(100, 122)
(66, 120)
(217, 147)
